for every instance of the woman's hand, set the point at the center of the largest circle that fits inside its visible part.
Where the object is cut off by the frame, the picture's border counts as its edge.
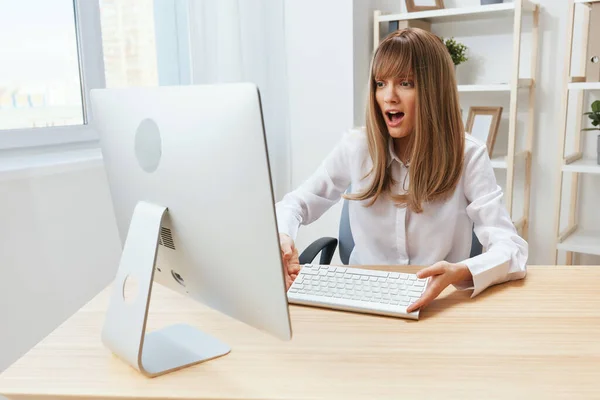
(441, 274)
(291, 264)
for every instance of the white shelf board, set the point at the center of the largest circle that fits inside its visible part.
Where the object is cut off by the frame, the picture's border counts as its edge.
(584, 86)
(586, 1)
(499, 162)
(582, 241)
(459, 13)
(584, 165)
(500, 87)
(494, 87)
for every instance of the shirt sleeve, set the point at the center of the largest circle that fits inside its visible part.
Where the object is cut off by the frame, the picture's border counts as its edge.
(506, 255)
(320, 192)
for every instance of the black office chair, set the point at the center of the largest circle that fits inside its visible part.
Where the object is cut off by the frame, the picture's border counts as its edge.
(327, 245)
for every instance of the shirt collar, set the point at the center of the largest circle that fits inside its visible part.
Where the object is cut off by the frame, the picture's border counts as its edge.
(393, 156)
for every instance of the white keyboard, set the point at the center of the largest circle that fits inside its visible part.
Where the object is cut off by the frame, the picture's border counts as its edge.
(357, 290)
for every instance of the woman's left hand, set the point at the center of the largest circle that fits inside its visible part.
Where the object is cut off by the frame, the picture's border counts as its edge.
(441, 274)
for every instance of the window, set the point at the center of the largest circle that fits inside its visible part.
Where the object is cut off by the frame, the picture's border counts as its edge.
(54, 52)
(128, 43)
(39, 74)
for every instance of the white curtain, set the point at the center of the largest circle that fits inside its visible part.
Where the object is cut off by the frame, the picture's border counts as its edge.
(243, 40)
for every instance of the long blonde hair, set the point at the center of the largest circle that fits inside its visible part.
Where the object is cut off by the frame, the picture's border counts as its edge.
(437, 143)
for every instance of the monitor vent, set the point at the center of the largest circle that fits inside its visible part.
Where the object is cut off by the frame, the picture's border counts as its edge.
(166, 239)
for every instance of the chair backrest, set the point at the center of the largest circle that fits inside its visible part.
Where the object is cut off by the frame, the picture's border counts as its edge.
(346, 241)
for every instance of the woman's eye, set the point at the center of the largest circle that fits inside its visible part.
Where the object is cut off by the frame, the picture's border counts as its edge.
(406, 84)
(379, 84)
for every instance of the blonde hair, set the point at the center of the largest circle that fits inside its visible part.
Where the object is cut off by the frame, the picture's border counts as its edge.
(437, 143)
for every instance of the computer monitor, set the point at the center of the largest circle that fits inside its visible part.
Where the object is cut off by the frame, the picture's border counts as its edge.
(191, 188)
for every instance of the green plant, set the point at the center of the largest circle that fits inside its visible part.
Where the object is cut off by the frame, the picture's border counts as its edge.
(594, 115)
(458, 51)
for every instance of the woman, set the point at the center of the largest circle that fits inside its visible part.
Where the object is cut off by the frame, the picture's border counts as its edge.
(419, 183)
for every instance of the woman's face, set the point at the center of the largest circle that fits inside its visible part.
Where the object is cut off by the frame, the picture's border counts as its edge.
(396, 100)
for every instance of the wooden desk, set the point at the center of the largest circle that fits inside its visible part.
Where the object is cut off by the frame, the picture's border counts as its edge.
(536, 338)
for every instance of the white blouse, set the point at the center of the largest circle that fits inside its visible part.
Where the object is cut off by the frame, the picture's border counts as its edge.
(385, 234)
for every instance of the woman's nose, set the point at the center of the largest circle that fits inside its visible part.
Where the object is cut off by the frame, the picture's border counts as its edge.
(390, 95)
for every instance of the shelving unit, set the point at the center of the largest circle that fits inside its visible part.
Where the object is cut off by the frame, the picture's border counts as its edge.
(514, 11)
(573, 239)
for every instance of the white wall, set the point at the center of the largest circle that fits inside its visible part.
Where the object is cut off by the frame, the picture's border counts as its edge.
(323, 69)
(320, 85)
(58, 248)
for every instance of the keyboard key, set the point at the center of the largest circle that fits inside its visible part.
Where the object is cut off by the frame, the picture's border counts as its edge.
(364, 278)
(309, 271)
(394, 275)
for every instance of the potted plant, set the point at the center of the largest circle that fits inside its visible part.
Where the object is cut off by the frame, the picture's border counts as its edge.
(594, 115)
(458, 51)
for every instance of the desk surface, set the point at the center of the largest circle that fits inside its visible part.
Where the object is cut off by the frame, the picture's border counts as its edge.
(535, 338)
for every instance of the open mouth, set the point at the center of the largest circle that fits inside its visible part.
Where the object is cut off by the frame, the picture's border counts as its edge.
(394, 117)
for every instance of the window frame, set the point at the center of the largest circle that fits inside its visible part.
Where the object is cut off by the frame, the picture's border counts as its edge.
(172, 36)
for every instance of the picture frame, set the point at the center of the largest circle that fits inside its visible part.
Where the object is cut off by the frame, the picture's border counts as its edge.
(424, 5)
(483, 123)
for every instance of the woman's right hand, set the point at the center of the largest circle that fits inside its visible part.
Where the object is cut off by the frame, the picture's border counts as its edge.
(291, 263)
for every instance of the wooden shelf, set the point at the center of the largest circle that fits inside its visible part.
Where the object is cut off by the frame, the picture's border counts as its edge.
(495, 87)
(459, 13)
(573, 240)
(582, 241)
(585, 165)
